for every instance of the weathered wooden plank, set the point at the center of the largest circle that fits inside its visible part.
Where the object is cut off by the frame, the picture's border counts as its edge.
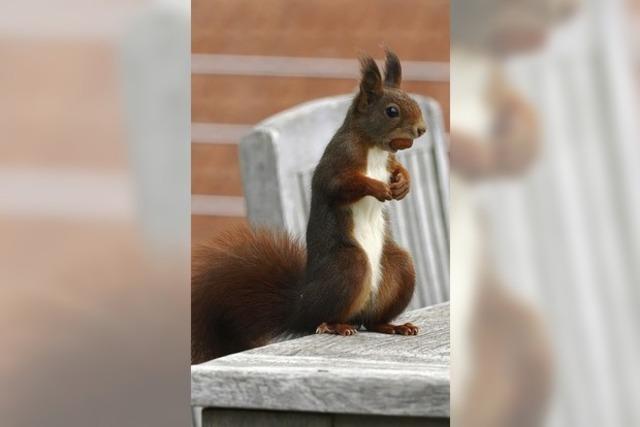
(364, 374)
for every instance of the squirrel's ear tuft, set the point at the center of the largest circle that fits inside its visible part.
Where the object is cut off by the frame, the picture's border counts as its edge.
(392, 70)
(370, 83)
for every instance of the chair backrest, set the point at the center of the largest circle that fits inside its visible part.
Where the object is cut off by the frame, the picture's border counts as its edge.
(278, 159)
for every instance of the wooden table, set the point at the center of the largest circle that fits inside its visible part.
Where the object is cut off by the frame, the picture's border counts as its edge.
(328, 380)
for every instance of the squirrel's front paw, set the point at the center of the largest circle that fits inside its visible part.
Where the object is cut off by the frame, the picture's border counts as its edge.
(399, 185)
(383, 192)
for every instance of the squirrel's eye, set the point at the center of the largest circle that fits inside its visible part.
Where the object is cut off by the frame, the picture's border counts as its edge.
(392, 111)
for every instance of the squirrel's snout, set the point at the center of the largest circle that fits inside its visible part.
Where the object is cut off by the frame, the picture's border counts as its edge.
(419, 128)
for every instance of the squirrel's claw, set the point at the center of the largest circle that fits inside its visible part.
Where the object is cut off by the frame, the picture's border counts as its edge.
(387, 328)
(385, 194)
(399, 185)
(337, 329)
(399, 189)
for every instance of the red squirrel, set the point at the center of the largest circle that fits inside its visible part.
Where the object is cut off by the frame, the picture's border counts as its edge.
(250, 286)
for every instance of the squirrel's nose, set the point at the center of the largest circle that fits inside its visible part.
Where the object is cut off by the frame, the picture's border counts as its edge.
(420, 130)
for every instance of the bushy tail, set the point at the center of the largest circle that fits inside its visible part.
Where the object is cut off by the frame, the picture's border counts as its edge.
(243, 285)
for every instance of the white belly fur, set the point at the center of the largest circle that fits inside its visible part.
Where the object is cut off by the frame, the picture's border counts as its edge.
(368, 217)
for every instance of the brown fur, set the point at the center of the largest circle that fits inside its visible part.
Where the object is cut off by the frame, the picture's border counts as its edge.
(242, 290)
(514, 144)
(396, 288)
(250, 286)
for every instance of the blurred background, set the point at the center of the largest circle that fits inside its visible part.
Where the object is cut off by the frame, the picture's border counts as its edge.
(94, 189)
(544, 203)
(251, 60)
(94, 260)
(95, 175)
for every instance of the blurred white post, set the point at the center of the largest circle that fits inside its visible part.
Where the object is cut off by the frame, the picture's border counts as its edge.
(156, 81)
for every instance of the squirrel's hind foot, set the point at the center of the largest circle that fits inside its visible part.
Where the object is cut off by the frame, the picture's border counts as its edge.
(337, 329)
(387, 328)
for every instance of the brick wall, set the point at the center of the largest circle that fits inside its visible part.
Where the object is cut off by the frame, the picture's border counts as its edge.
(224, 32)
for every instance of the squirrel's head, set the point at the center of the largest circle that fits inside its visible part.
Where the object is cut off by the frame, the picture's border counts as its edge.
(381, 110)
